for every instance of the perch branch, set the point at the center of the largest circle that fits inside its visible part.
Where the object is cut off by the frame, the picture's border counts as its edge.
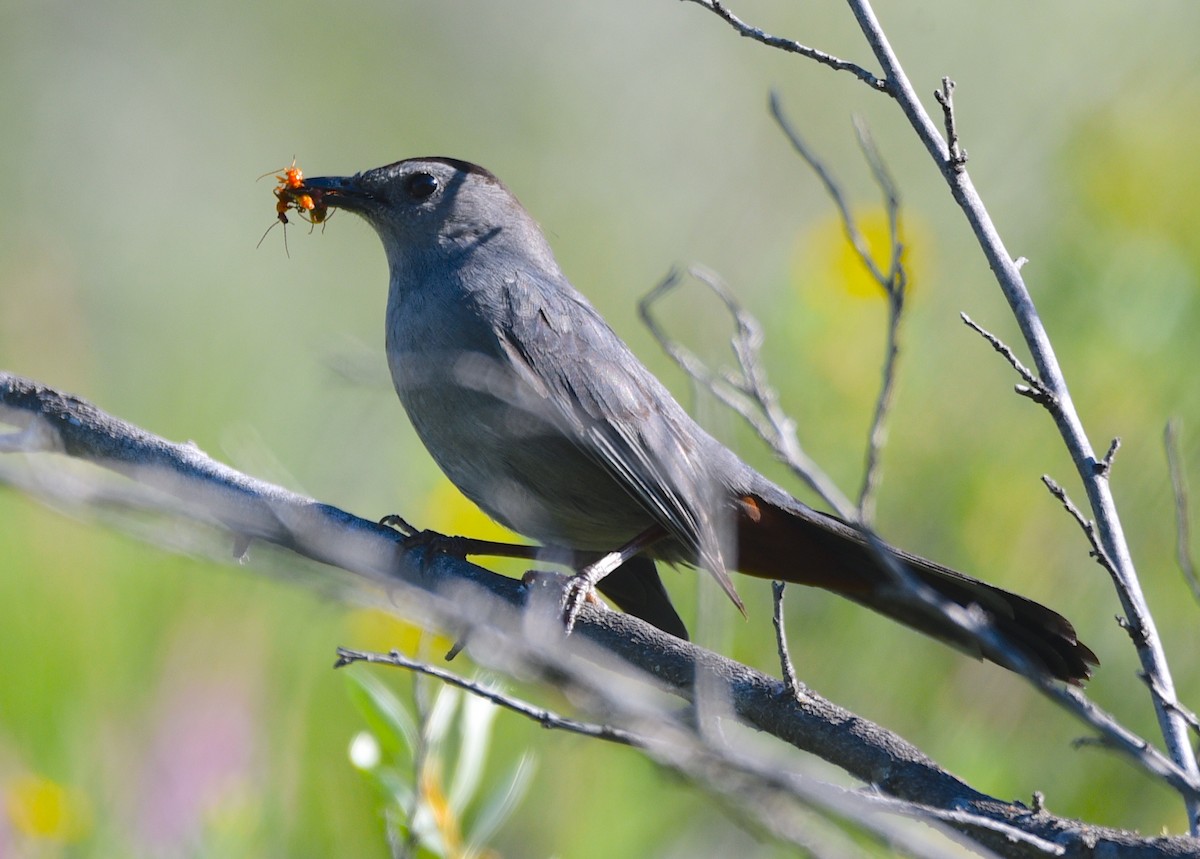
(491, 610)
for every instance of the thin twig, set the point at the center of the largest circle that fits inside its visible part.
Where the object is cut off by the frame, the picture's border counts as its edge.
(895, 285)
(833, 189)
(1104, 466)
(945, 97)
(896, 280)
(1033, 388)
(681, 749)
(1086, 525)
(1179, 485)
(790, 45)
(781, 645)
(545, 718)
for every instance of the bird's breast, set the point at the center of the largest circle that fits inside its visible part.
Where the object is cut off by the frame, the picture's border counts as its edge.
(495, 435)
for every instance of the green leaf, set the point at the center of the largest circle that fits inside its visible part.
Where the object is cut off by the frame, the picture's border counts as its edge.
(385, 715)
(502, 803)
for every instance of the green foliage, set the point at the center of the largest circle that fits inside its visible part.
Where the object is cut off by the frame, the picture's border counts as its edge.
(429, 772)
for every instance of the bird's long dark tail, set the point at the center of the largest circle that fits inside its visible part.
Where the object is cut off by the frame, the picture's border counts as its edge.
(781, 538)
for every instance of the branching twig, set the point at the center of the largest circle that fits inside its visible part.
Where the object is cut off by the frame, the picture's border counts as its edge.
(1086, 525)
(747, 392)
(790, 45)
(834, 190)
(1192, 719)
(1033, 387)
(893, 282)
(945, 97)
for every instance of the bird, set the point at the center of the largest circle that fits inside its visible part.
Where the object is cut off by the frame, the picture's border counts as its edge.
(538, 411)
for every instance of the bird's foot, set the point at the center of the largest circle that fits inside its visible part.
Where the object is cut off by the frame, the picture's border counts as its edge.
(419, 538)
(581, 587)
(574, 592)
(578, 590)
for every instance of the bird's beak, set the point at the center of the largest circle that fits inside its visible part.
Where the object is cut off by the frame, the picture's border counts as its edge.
(340, 192)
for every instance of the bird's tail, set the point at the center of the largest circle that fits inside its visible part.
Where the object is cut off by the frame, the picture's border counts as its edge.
(781, 538)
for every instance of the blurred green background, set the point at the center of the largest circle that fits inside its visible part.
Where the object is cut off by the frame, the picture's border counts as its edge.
(157, 705)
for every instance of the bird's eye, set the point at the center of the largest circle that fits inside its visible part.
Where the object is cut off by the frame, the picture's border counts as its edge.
(420, 186)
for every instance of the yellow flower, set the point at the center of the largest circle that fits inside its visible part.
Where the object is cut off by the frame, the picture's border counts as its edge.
(830, 257)
(39, 807)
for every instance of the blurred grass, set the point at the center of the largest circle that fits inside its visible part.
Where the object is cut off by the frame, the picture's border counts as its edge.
(162, 705)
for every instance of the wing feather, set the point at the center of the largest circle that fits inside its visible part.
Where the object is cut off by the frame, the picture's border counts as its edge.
(617, 413)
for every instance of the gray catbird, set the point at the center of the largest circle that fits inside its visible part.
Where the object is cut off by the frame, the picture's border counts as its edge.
(541, 415)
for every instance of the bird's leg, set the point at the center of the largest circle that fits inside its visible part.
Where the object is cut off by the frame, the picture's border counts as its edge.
(461, 547)
(583, 584)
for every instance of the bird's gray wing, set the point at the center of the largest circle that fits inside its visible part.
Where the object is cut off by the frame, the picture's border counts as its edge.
(616, 411)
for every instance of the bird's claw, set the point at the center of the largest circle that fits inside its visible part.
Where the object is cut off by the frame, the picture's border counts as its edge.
(419, 538)
(576, 590)
(399, 523)
(457, 648)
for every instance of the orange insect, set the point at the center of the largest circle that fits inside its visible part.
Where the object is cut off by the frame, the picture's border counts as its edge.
(292, 177)
(290, 193)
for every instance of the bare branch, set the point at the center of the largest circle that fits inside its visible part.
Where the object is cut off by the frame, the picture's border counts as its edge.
(1108, 523)
(1050, 376)
(747, 392)
(895, 285)
(793, 47)
(491, 610)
